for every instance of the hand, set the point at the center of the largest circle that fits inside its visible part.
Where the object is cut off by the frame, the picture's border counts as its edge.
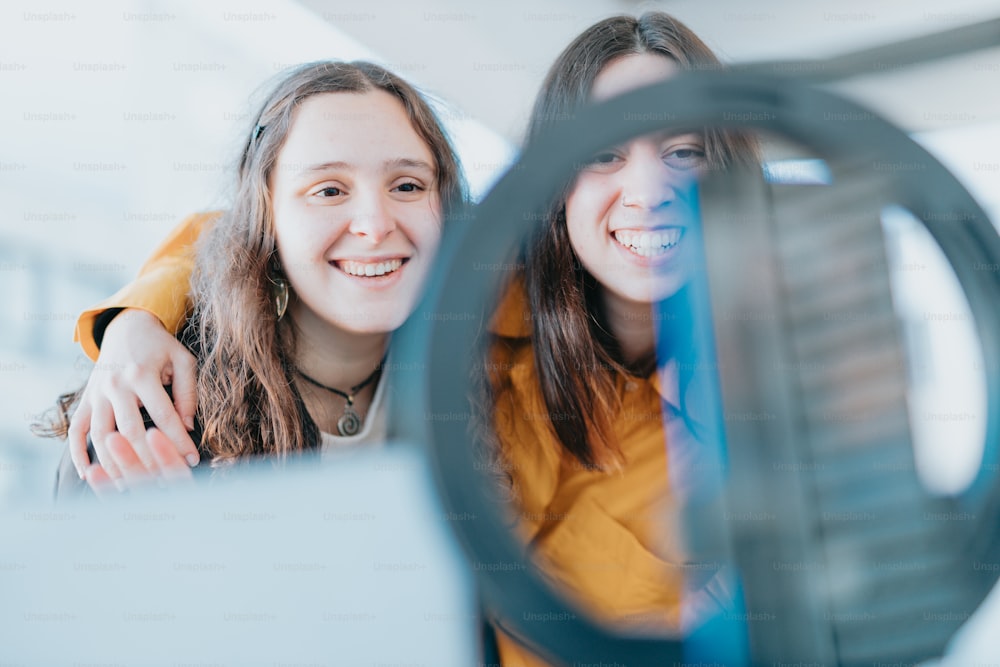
(172, 468)
(705, 599)
(138, 356)
(687, 509)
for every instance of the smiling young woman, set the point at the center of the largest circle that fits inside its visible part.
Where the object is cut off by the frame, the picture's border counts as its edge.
(355, 238)
(337, 213)
(613, 444)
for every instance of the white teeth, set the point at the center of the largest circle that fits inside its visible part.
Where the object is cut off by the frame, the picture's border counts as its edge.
(367, 269)
(649, 244)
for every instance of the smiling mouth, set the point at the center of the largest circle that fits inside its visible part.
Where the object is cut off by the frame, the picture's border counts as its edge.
(369, 269)
(651, 243)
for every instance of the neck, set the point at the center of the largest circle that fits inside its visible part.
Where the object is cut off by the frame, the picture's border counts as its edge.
(631, 324)
(335, 357)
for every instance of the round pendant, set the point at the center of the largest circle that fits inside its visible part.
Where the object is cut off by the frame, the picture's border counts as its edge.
(349, 423)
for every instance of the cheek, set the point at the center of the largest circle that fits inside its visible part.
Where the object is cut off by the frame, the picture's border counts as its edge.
(576, 230)
(289, 262)
(299, 249)
(433, 227)
(281, 227)
(592, 196)
(426, 241)
(588, 207)
(433, 240)
(423, 227)
(287, 244)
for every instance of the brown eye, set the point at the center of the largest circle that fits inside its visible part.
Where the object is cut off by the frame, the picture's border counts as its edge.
(603, 158)
(688, 157)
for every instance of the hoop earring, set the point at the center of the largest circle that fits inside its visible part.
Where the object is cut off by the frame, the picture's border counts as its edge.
(280, 293)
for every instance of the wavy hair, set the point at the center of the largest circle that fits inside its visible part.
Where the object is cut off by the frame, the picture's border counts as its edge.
(248, 404)
(247, 401)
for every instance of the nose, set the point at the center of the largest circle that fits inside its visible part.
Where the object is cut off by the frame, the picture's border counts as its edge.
(372, 218)
(648, 183)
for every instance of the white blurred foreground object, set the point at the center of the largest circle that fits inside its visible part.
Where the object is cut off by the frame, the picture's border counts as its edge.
(349, 563)
(976, 642)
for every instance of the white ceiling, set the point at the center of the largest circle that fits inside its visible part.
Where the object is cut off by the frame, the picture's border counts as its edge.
(489, 57)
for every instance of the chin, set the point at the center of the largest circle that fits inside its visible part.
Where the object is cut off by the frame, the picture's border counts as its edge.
(668, 285)
(373, 324)
(650, 293)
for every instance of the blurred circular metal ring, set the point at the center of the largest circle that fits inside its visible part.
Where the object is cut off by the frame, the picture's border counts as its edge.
(442, 336)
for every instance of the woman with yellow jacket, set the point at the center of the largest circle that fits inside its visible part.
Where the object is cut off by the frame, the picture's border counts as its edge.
(591, 417)
(584, 406)
(339, 198)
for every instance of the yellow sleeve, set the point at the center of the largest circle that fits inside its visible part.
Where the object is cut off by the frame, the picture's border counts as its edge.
(161, 288)
(529, 454)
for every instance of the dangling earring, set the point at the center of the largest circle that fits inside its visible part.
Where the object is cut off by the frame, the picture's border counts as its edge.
(280, 293)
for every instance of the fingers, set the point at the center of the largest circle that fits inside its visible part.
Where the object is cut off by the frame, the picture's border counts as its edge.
(79, 426)
(102, 424)
(708, 598)
(134, 471)
(184, 387)
(138, 355)
(131, 425)
(98, 480)
(172, 467)
(161, 410)
(121, 449)
(134, 475)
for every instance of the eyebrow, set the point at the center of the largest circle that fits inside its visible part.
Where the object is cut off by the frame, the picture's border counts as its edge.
(664, 135)
(388, 165)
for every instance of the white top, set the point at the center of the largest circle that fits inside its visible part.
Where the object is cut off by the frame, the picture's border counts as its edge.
(373, 431)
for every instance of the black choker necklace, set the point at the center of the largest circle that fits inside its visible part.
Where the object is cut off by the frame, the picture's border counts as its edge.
(349, 422)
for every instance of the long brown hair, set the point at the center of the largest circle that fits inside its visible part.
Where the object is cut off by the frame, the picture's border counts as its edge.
(247, 402)
(575, 358)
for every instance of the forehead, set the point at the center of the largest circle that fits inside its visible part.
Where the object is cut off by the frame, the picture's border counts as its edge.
(360, 128)
(629, 73)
